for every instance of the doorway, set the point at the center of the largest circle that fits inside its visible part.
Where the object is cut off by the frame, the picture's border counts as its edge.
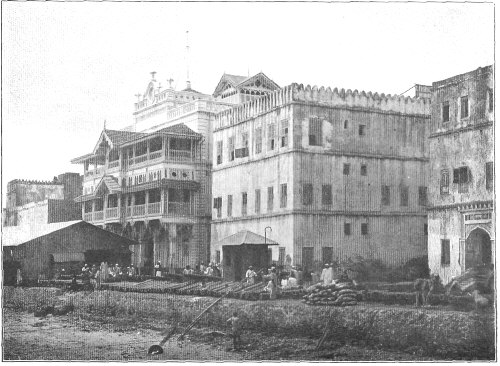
(478, 249)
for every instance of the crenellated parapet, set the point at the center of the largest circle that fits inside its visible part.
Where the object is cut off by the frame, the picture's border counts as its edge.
(298, 93)
(34, 182)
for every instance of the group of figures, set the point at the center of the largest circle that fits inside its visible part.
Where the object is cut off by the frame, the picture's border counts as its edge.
(275, 278)
(97, 274)
(212, 269)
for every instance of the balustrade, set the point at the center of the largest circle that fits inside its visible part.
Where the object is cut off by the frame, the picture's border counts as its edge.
(87, 216)
(112, 212)
(98, 215)
(178, 208)
(113, 164)
(155, 155)
(139, 210)
(154, 208)
(179, 154)
(129, 211)
(140, 159)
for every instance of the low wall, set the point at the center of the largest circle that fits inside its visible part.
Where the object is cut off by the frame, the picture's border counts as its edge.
(447, 334)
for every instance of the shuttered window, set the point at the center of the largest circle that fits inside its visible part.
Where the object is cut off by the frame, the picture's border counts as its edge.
(403, 191)
(445, 252)
(219, 152)
(258, 140)
(326, 194)
(230, 148)
(271, 136)
(270, 199)
(386, 195)
(244, 203)
(445, 182)
(284, 133)
(257, 201)
(445, 111)
(307, 194)
(315, 135)
(464, 107)
(230, 205)
(283, 195)
(422, 196)
(489, 175)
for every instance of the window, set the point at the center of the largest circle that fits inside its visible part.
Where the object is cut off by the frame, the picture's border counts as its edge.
(219, 152)
(364, 169)
(445, 111)
(347, 168)
(461, 176)
(489, 175)
(307, 197)
(230, 205)
(281, 256)
(230, 148)
(426, 229)
(361, 130)
(403, 191)
(490, 100)
(327, 254)
(217, 256)
(283, 195)
(464, 107)
(257, 201)
(445, 182)
(270, 198)
(422, 196)
(386, 195)
(217, 205)
(284, 133)
(346, 124)
(445, 252)
(244, 204)
(347, 228)
(258, 140)
(315, 135)
(243, 150)
(271, 136)
(326, 194)
(364, 229)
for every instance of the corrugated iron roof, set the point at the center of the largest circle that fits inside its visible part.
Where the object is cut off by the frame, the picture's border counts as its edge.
(246, 237)
(16, 235)
(179, 129)
(120, 137)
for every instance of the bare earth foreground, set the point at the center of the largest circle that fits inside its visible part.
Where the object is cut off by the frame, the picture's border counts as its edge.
(69, 338)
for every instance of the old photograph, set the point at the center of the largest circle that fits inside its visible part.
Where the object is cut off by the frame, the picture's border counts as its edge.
(248, 181)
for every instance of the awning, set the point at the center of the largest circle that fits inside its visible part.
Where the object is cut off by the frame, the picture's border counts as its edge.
(245, 237)
(85, 197)
(68, 257)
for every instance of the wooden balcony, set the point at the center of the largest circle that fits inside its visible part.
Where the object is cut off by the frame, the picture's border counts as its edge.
(180, 155)
(139, 210)
(154, 208)
(179, 208)
(98, 216)
(112, 213)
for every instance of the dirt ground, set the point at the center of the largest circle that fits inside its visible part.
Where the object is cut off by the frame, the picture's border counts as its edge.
(70, 338)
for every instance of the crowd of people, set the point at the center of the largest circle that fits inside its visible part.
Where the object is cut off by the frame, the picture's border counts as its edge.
(212, 269)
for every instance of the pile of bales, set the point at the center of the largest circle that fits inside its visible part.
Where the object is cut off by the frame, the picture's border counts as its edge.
(334, 294)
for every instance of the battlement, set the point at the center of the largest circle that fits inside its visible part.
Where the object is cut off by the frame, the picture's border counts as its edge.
(34, 182)
(298, 93)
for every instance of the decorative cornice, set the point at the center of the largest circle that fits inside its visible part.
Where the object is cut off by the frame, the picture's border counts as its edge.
(467, 128)
(320, 213)
(331, 153)
(465, 206)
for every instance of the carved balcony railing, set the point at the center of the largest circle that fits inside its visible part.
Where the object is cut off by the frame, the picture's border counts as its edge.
(178, 208)
(139, 210)
(98, 216)
(112, 213)
(154, 208)
(181, 155)
(87, 216)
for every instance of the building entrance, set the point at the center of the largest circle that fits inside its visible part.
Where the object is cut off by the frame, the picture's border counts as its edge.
(477, 249)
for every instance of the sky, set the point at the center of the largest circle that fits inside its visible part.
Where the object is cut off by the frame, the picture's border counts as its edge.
(69, 66)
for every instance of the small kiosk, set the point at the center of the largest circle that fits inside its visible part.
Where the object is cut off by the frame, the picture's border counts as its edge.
(241, 250)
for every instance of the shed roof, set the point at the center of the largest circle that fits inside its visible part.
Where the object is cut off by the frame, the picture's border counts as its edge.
(245, 237)
(13, 236)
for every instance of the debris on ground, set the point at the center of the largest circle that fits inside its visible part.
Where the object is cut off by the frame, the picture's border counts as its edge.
(334, 294)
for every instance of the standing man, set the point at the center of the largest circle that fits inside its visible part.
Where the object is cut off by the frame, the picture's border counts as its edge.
(250, 275)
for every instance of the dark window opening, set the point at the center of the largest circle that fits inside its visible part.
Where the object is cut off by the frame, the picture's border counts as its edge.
(257, 201)
(445, 252)
(422, 196)
(361, 130)
(364, 229)
(270, 199)
(490, 100)
(230, 205)
(386, 195)
(445, 182)
(244, 203)
(446, 111)
(426, 229)
(315, 132)
(464, 107)
(346, 124)
(326, 194)
(403, 195)
(489, 176)
(283, 196)
(307, 196)
(364, 169)
(347, 168)
(347, 228)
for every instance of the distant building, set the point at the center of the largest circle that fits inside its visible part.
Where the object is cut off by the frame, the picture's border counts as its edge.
(335, 174)
(152, 181)
(461, 213)
(32, 202)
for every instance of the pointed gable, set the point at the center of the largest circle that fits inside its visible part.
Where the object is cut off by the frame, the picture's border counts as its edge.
(259, 82)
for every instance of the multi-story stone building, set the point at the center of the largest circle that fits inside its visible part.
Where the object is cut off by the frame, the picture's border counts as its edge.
(461, 213)
(334, 174)
(152, 181)
(32, 202)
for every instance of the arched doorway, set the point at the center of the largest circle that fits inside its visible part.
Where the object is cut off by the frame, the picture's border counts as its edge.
(478, 248)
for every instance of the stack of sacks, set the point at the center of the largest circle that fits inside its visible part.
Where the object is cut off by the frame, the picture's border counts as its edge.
(334, 294)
